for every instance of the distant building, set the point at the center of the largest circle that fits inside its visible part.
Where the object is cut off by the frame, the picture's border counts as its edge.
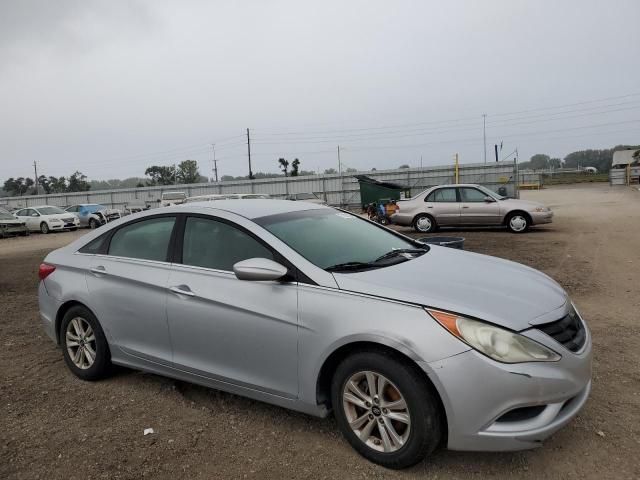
(625, 167)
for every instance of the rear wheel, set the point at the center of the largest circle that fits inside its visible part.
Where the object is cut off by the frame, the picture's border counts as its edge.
(93, 223)
(518, 222)
(424, 223)
(385, 410)
(44, 228)
(85, 347)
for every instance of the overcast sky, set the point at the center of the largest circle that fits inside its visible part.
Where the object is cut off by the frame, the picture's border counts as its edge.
(111, 87)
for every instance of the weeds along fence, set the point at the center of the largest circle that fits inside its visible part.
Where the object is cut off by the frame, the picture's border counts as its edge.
(335, 189)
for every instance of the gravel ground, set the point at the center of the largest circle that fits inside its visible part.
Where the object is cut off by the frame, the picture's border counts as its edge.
(53, 425)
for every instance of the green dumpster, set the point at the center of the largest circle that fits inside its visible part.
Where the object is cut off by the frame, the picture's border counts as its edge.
(375, 191)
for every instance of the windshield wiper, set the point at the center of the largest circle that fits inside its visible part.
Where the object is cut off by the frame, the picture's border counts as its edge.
(400, 252)
(350, 266)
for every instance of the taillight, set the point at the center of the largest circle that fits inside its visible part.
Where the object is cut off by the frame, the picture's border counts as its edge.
(45, 270)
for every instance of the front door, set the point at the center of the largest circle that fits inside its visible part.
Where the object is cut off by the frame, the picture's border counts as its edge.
(236, 331)
(477, 208)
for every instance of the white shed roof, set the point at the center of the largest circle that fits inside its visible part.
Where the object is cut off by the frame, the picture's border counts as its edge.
(623, 157)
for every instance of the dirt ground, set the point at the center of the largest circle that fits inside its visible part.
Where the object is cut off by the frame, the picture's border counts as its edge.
(53, 425)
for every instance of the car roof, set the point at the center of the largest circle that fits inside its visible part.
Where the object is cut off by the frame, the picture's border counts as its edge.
(253, 208)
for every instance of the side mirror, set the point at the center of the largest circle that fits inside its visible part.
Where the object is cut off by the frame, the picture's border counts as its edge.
(35, 215)
(259, 269)
(489, 199)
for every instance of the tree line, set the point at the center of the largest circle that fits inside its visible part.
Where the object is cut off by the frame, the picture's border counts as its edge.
(600, 159)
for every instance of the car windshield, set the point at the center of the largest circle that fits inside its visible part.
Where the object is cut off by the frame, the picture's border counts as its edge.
(328, 237)
(92, 208)
(50, 210)
(4, 215)
(491, 193)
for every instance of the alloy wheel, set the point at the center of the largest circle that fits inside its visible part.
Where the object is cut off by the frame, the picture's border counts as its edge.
(80, 341)
(377, 411)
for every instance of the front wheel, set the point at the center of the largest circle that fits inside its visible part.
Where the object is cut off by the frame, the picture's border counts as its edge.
(93, 223)
(385, 410)
(44, 228)
(518, 222)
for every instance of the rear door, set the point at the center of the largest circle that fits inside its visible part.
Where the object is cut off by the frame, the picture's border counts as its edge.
(128, 287)
(30, 217)
(476, 210)
(443, 205)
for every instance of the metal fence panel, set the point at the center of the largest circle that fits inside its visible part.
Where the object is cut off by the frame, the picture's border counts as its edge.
(334, 188)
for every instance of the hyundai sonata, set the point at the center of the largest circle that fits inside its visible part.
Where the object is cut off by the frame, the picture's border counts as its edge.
(319, 310)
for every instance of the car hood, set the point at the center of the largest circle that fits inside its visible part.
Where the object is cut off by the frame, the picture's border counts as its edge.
(526, 205)
(488, 288)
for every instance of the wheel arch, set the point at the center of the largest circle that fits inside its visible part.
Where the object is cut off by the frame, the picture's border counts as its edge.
(404, 355)
(513, 212)
(62, 311)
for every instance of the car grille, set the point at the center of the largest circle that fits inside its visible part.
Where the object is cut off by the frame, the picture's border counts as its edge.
(68, 219)
(569, 331)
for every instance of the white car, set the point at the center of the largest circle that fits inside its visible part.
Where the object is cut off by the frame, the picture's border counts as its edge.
(169, 199)
(47, 218)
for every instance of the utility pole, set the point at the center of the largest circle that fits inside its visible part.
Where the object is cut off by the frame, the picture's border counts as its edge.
(215, 163)
(484, 135)
(35, 171)
(341, 181)
(249, 153)
(175, 173)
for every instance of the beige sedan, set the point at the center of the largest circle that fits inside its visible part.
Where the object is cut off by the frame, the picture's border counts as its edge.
(468, 205)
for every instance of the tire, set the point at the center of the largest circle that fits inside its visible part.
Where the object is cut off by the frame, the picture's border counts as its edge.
(424, 223)
(44, 228)
(418, 438)
(79, 325)
(518, 222)
(93, 223)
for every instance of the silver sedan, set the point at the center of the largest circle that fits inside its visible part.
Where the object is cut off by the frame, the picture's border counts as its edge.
(318, 310)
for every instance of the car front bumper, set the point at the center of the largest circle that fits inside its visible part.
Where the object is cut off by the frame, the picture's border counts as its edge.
(541, 397)
(538, 218)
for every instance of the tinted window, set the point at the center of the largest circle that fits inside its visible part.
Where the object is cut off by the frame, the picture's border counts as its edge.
(327, 237)
(218, 245)
(50, 210)
(213, 244)
(472, 195)
(148, 239)
(94, 246)
(72, 209)
(21, 213)
(443, 195)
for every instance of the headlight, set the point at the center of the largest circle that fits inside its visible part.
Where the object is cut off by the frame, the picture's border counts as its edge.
(542, 209)
(494, 342)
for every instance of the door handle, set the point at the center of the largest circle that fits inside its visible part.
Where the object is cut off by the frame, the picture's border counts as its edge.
(100, 270)
(465, 206)
(429, 206)
(182, 290)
